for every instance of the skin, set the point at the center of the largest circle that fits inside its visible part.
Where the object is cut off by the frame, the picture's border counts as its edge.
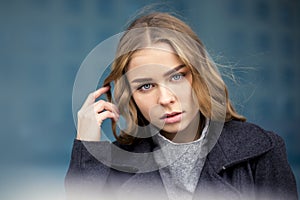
(92, 114)
(161, 85)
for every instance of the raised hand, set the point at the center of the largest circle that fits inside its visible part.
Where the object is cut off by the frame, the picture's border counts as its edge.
(92, 114)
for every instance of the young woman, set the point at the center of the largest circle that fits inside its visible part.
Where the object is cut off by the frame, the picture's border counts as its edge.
(182, 139)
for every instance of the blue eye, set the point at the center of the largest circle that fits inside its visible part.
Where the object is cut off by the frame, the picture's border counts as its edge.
(145, 87)
(177, 77)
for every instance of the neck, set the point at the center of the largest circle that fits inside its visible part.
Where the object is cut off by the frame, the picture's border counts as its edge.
(191, 133)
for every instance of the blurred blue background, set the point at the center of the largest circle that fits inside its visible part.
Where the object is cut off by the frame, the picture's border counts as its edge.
(43, 42)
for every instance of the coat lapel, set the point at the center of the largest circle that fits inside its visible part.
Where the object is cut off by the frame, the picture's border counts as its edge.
(211, 185)
(147, 184)
(236, 144)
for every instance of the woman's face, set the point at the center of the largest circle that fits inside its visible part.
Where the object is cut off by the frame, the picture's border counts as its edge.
(161, 86)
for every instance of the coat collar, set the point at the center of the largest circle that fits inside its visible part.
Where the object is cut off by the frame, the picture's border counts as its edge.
(238, 142)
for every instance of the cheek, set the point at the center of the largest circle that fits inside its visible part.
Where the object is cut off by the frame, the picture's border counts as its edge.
(148, 106)
(183, 92)
(143, 105)
(187, 98)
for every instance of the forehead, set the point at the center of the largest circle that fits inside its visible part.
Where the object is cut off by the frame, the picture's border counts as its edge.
(160, 54)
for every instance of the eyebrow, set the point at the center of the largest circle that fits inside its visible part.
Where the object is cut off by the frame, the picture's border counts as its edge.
(141, 80)
(174, 70)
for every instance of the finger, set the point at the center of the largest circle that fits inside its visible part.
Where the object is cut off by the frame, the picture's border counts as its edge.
(106, 115)
(101, 91)
(101, 105)
(94, 95)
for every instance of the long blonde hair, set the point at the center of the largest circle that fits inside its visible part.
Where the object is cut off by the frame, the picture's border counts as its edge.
(209, 88)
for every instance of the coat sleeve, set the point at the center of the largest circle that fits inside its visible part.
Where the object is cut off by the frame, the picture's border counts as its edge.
(274, 178)
(87, 175)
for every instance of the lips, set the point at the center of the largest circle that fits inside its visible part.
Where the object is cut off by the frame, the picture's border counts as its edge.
(172, 117)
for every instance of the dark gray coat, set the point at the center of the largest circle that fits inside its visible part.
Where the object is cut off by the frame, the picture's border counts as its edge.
(247, 162)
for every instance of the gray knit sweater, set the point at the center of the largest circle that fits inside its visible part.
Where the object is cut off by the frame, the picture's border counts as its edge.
(182, 165)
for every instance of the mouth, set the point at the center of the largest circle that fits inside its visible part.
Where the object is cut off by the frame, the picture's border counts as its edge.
(172, 117)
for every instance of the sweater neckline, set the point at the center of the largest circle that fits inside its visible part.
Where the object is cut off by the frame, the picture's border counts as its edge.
(160, 140)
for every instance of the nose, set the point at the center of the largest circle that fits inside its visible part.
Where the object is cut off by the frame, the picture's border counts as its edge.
(165, 96)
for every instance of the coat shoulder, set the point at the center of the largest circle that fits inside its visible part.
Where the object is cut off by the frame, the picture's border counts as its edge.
(244, 140)
(250, 133)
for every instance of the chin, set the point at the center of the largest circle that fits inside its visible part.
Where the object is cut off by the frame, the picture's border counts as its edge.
(172, 130)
